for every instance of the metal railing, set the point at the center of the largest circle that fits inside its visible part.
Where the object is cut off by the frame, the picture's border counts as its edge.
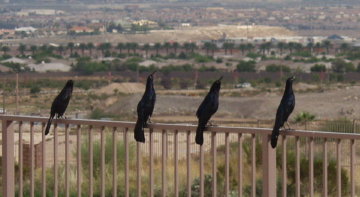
(182, 141)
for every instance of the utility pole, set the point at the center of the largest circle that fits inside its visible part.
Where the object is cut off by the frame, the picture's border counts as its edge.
(17, 93)
(4, 95)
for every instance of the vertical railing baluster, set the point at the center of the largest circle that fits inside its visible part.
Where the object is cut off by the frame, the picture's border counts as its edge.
(163, 165)
(325, 170)
(55, 161)
(253, 165)
(201, 171)
(240, 164)
(102, 161)
(188, 167)
(269, 167)
(138, 168)
(7, 160)
(32, 166)
(338, 166)
(43, 167)
(21, 178)
(114, 181)
(214, 166)
(227, 165)
(297, 170)
(311, 166)
(151, 158)
(284, 172)
(67, 160)
(91, 162)
(352, 167)
(78, 160)
(176, 158)
(126, 140)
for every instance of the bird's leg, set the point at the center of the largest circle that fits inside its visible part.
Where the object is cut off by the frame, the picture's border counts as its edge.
(289, 128)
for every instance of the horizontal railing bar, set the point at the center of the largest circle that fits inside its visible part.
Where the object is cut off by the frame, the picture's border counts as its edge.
(183, 128)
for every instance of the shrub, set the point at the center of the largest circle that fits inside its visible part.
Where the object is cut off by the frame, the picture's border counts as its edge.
(277, 68)
(340, 66)
(35, 89)
(318, 68)
(304, 116)
(246, 66)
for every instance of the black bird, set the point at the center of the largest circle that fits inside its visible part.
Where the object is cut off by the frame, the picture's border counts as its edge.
(145, 109)
(60, 103)
(284, 110)
(207, 108)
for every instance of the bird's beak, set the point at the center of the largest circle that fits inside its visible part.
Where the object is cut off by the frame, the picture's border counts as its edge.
(220, 78)
(153, 73)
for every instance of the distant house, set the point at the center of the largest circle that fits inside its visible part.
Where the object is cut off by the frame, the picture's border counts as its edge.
(50, 67)
(4, 69)
(15, 60)
(81, 29)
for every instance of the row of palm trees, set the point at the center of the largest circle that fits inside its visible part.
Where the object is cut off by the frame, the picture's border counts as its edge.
(174, 47)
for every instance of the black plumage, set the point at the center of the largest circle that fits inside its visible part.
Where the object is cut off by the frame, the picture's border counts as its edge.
(207, 108)
(60, 103)
(284, 110)
(145, 109)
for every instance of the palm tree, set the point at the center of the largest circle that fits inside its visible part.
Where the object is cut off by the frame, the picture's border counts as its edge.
(242, 48)
(262, 48)
(250, 47)
(175, 46)
(5, 49)
(128, 47)
(208, 46)
(120, 46)
(157, 47)
(33, 49)
(192, 46)
(327, 45)
(344, 47)
(60, 49)
(90, 46)
(103, 47)
(317, 46)
(298, 47)
(22, 49)
(134, 46)
(310, 47)
(71, 46)
(291, 46)
(146, 48)
(228, 46)
(167, 46)
(281, 46)
(82, 47)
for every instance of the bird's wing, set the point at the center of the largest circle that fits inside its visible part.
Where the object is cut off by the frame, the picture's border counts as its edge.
(208, 107)
(280, 115)
(153, 100)
(203, 105)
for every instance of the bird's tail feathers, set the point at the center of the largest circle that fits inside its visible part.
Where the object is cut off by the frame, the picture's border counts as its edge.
(274, 136)
(199, 138)
(139, 131)
(48, 125)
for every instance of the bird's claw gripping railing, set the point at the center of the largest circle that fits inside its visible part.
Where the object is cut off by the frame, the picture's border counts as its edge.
(268, 157)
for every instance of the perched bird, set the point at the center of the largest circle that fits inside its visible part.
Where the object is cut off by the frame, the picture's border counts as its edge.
(284, 110)
(145, 109)
(207, 108)
(60, 103)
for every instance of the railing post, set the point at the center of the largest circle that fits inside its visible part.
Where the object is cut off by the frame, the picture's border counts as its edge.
(8, 168)
(269, 167)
